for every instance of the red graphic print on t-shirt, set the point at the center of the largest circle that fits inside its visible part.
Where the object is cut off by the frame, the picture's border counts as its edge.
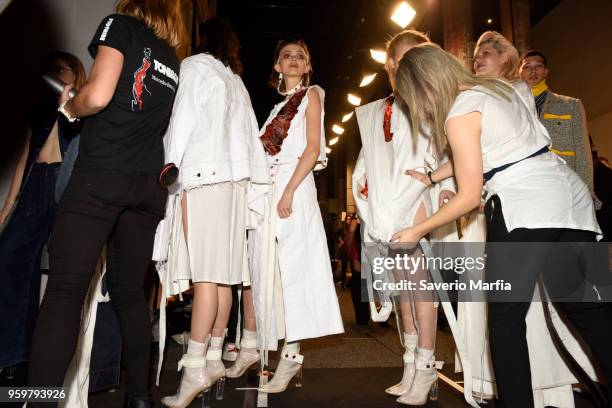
(139, 77)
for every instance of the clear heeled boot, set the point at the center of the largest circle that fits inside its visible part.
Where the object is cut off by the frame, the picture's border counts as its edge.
(195, 379)
(425, 383)
(247, 356)
(289, 366)
(215, 367)
(410, 343)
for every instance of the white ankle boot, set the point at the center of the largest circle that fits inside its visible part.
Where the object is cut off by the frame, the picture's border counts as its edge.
(247, 356)
(194, 380)
(425, 383)
(289, 366)
(214, 365)
(410, 343)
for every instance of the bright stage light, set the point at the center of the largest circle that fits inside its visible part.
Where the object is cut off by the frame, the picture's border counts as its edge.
(378, 56)
(334, 141)
(354, 100)
(327, 150)
(367, 80)
(347, 117)
(403, 14)
(337, 129)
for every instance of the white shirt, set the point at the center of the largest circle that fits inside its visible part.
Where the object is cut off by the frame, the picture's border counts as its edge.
(538, 192)
(213, 133)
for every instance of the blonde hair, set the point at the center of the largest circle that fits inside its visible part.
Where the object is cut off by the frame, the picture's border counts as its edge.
(428, 80)
(164, 17)
(412, 37)
(503, 46)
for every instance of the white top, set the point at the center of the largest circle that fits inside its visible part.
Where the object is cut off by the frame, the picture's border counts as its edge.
(295, 143)
(539, 192)
(213, 135)
(393, 197)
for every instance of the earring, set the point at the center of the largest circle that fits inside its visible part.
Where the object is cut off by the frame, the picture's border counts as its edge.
(280, 81)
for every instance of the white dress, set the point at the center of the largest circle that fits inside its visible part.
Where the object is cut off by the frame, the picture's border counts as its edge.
(294, 295)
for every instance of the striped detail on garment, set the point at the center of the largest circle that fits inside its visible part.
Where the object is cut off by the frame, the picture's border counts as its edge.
(539, 101)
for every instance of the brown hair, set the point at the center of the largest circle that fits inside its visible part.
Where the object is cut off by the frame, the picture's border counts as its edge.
(218, 38)
(75, 64)
(162, 16)
(273, 81)
(503, 46)
(412, 37)
(428, 80)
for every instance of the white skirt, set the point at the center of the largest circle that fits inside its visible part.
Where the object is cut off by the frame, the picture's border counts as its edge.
(216, 233)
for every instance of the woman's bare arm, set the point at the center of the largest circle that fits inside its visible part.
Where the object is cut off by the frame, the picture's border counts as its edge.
(97, 93)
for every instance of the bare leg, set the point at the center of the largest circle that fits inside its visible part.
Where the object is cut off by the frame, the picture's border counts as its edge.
(250, 323)
(426, 312)
(224, 299)
(205, 297)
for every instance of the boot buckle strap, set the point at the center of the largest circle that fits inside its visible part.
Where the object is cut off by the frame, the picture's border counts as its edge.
(214, 354)
(295, 357)
(191, 362)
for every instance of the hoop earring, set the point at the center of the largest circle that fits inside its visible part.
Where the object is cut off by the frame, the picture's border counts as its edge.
(280, 81)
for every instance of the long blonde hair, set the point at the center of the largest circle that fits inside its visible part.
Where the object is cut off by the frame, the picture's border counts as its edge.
(503, 46)
(428, 80)
(164, 17)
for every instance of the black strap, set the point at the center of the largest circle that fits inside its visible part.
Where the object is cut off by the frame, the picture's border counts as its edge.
(489, 174)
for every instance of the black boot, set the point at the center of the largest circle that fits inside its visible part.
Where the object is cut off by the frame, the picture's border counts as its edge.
(136, 402)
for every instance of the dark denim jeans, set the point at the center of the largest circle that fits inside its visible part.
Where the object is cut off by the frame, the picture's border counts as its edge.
(21, 243)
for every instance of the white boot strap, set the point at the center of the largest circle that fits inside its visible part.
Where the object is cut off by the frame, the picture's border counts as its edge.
(298, 358)
(191, 362)
(248, 343)
(427, 365)
(214, 354)
(408, 357)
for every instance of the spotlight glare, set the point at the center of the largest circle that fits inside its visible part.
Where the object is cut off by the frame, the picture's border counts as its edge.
(367, 80)
(334, 141)
(337, 129)
(354, 100)
(347, 117)
(490, 21)
(403, 14)
(327, 150)
(378, 56)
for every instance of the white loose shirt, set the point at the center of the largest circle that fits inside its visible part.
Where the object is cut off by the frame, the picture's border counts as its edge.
(538, 192)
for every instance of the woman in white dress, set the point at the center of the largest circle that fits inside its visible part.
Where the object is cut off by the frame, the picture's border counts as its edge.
(532, 196)
(294, 295)
(212, 138)
(387, 201)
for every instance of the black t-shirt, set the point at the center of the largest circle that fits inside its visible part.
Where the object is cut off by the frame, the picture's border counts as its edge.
(128, 133)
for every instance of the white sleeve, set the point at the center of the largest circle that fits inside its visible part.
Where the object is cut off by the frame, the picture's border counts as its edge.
(185, 112)
(359, 183)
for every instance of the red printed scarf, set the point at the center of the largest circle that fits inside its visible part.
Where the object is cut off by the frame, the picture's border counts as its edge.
(277, 129)
(387, 119)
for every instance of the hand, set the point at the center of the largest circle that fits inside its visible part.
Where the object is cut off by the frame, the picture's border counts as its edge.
(445, 196)
(422, 177)
(284, 207)
(407, 236)
(64, 96)
(354, 224)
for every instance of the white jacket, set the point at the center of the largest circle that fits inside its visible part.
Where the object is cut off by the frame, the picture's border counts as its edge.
(213, 133)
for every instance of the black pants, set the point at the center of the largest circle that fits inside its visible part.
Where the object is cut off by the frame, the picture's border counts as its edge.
(122, 209)
(506, 320)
